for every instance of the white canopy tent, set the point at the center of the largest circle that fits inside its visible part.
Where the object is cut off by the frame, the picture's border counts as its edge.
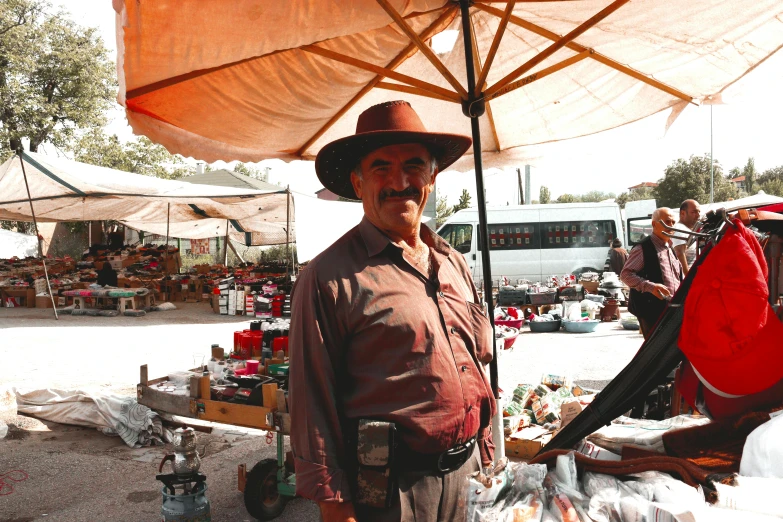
(66, 190)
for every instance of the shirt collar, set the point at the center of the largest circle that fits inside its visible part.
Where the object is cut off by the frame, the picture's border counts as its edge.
(658, 242)
(376, 241)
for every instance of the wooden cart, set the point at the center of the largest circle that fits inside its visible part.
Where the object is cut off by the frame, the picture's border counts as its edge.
(268, 486)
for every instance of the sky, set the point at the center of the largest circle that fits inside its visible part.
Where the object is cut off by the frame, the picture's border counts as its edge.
(747, 125)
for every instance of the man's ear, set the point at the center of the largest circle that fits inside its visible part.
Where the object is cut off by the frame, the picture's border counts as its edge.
(356, 181)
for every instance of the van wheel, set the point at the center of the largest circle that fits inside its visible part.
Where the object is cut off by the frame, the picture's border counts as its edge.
(579, 271)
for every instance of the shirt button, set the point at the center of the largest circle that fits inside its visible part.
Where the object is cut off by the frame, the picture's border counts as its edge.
(441, 294)
(464, 368)
(453, 330)
(470, 407)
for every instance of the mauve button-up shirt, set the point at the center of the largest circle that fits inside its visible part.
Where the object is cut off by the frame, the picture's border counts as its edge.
(373, 337)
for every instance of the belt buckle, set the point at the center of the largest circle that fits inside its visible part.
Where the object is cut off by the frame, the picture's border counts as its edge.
(460, 452)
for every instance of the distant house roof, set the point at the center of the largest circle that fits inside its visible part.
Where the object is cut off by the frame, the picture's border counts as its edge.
(646, 184)
(738, 179)
(228, 178)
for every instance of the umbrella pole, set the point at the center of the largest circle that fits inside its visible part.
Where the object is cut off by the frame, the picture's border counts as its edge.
(473, 108)
(38, 236)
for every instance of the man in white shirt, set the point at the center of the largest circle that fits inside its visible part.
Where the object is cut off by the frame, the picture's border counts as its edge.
(690, 211)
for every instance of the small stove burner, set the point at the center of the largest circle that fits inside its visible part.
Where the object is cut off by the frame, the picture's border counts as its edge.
(191, 483)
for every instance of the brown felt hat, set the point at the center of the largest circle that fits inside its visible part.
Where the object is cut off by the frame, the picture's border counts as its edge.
(389, 123)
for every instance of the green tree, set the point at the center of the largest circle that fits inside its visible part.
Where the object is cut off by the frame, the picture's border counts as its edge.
(544, 196)
(55, 76)
(772, 186)
(750, 173)
(567, 198)
(442, 211)
(464, 201)
(261, 174)
(635, 195)
(690, 179)
(775, 173)
(139, 156)
(595, 196)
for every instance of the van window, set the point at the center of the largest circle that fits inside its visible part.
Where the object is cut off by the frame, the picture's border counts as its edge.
(578, 234)
(514, 236)
(458, 236)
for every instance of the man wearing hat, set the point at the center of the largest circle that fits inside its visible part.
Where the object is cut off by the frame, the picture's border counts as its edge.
(617, 256)
(652, 272)
(387, 332)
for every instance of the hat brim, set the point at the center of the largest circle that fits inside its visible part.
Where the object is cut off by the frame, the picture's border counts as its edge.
(335, 162)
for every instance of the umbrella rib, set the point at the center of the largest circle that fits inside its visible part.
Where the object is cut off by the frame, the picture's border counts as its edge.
(494, 47)
(527, 80)
(414, 90)
(480, 86)
(595, 55)
(424, 48)
(382, 71)
(436, 26)
(557, 45)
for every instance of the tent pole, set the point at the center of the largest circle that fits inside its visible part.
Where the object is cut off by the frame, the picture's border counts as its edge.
(289, 257)
(473, 108)
(38, 236)
(166, 254)
(225, 247)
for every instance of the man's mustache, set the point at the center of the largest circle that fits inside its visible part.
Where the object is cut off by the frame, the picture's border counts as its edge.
(408, 192)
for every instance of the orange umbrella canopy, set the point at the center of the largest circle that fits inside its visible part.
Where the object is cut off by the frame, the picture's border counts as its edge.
(248, 80)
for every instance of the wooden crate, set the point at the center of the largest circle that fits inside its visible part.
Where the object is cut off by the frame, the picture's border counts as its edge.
(199, 406)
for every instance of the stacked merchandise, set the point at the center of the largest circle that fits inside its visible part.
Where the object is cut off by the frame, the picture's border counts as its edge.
(224, 287)
(535, 412)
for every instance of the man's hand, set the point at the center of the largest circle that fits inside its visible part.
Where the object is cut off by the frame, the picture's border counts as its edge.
(337, 512)
(660, 291)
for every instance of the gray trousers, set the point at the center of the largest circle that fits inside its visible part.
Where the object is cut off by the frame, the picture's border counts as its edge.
(427, 496)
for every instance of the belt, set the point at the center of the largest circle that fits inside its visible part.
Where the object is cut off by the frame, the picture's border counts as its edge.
(405, 459)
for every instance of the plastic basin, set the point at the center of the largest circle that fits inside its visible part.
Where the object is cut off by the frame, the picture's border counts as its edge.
(545, 326)
(630, 325)
(514, 323)
(580, 326)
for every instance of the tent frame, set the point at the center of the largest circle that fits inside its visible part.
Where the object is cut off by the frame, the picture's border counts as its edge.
(22, 155)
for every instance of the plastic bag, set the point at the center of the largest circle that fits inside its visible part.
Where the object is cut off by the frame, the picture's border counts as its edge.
(482, 498)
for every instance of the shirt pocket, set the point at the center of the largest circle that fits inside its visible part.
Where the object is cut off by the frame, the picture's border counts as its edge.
(482, 333)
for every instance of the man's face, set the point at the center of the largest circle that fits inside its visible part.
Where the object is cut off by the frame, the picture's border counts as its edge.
(691, 215)
(667, 216)
(395, 183)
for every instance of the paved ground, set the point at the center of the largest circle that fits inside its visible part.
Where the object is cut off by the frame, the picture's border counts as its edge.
(76, 474)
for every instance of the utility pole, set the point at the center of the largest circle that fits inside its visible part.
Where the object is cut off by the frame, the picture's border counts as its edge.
(521, 192)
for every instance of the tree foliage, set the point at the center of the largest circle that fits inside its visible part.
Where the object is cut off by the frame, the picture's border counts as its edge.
(464, 201)
(690, 179)
(544, 196)
(771, 181)
(55, 76)
(139, 156)
(442, 211)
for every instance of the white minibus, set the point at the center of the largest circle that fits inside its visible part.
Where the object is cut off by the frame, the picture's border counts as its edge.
(535, 242)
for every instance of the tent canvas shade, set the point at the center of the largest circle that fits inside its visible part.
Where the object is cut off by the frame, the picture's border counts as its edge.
(283, 79)
(66, 190)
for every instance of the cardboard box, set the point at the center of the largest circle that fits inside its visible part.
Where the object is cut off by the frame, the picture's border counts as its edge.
(568, 412)
(215, 303)
(524, 448)
(42, 301)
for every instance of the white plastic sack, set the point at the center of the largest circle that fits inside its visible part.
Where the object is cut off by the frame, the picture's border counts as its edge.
(762, 455)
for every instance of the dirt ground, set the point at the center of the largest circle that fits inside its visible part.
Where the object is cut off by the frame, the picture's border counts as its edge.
(78, 474)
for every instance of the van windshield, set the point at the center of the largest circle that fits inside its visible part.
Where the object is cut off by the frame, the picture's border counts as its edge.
(459, 236)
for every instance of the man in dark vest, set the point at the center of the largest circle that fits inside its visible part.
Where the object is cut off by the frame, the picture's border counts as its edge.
(653, 273)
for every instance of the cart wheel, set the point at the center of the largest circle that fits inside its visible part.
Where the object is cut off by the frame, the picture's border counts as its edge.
(262, 499)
